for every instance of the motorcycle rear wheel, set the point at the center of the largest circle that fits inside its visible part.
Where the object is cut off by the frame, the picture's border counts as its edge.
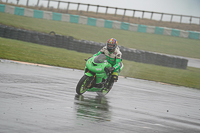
(82, 85)
(106, 90)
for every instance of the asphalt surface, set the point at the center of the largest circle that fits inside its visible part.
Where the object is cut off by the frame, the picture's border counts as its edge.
(42, 99)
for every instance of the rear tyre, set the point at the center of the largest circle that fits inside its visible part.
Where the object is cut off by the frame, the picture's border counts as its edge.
(105, 90)
(82, 85)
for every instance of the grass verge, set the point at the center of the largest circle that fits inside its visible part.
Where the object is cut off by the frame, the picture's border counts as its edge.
(34, 53)
(143, 41)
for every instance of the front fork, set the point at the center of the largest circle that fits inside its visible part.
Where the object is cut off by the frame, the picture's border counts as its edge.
(99, 80)
(91, 82)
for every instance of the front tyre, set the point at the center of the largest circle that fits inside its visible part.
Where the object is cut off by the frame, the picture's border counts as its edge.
(82, 85)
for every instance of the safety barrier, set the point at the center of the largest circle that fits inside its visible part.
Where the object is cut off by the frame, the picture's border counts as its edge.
(91, 47)
(98, 22)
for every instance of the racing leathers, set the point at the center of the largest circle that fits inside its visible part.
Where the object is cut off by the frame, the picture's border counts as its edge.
(114, 58)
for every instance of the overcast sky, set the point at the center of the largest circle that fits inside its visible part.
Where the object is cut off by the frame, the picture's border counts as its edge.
(182, 7)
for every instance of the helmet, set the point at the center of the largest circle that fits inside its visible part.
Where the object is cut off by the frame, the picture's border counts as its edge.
(111, 44)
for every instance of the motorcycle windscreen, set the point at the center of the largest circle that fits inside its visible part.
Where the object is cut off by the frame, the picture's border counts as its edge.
(100, 59)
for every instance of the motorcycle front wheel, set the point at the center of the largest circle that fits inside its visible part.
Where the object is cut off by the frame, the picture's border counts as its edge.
(82, 85)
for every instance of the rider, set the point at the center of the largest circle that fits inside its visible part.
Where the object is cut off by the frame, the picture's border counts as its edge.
(113, 54)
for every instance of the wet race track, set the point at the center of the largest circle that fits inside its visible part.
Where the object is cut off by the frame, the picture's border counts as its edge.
(43, 100)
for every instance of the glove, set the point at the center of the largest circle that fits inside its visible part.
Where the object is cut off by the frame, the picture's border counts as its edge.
(111, 69)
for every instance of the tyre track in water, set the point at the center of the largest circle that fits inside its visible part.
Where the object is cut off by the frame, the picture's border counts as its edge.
(36, 98)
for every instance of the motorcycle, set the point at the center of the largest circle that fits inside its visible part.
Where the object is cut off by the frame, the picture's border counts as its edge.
(97, 76)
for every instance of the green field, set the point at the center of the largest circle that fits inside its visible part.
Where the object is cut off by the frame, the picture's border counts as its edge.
(30, 52)
(142, 41)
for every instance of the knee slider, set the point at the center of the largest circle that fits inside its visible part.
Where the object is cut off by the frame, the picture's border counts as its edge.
(115, 77)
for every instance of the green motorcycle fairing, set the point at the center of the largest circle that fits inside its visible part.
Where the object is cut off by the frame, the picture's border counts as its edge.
(95, 66)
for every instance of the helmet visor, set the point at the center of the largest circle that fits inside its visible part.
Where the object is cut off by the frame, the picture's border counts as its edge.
(111, 45)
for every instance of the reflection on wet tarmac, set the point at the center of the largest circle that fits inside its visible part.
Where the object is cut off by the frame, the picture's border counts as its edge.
(94, 108)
